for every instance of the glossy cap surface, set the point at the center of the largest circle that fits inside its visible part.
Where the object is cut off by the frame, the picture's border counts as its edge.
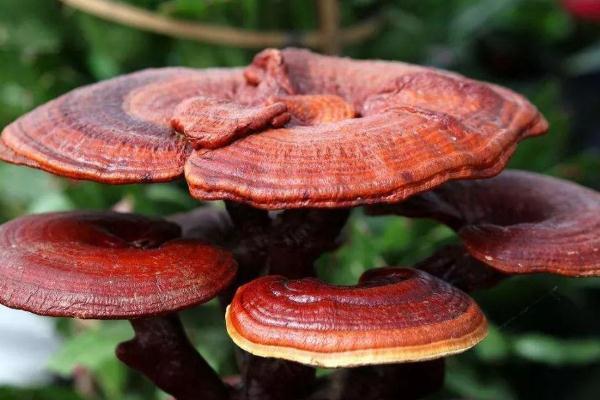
(415, 128)
(106, 266)
(116, 131)
(293, 130)
(393, 315)
(519, 222)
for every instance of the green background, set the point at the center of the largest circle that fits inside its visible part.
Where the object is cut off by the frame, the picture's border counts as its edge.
(545, 331)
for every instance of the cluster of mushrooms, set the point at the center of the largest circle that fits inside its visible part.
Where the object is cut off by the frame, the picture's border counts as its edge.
(291, 143)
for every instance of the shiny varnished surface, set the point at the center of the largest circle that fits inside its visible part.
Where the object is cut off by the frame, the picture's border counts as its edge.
(417, 128)
(392, 315)
(519, 222)
(294, 129)
(116, 131)
(106, 265)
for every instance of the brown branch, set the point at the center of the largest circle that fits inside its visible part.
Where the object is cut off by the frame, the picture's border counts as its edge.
(163, 353)
(329, 16)
(149, 21)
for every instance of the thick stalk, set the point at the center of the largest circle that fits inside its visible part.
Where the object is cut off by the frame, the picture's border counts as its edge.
(287, 245)
(250, 243)
(410, 381)
(273, 379)
(455, 265)
(300, 237)
(163, 353)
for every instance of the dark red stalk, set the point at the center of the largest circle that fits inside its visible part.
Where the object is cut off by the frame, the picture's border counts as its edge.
(163, 353)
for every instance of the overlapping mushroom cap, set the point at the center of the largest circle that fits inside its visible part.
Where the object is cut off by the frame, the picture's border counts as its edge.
(106, 266)
(518, 222)
(393, 315)
(116, 131)
(294, 129)
(417, 128)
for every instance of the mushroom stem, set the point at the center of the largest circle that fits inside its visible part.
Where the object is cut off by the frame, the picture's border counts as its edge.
(163, 353)
(287, 245)
(251, 227)
(408, 381)
(273, 379)
(300, 237)
(454, 265)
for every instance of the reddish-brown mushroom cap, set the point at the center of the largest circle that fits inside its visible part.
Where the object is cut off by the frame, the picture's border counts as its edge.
(211, 123)
(295, 129)
(518, 222)
(116, 131)
(106, 266)
(418, 127)
(8, 155)
(393, 315)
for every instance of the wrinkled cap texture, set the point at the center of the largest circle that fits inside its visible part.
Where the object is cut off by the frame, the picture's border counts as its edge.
(116, 131)
(106, 265)
(393, 315)
(518, 222)
(294, 129)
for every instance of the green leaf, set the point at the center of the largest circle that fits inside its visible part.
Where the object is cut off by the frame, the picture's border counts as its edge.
(91, 349)
(43, 393)
(112, 377)
(584, 61)
(114, 48)
(555, 351)
(206, 327)
(495, 347)
(41, 191)
(476, 16)
(50, 202)
(465, 380)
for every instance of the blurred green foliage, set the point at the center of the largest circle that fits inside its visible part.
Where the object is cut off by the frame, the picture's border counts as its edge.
(545, 336)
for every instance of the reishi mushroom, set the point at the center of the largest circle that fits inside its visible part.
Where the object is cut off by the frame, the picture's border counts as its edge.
(106, 265)
(312, 136)
(518, 222)
(415, 128)
(393, 315)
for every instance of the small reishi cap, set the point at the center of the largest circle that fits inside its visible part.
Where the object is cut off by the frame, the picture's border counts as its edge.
(518, 222)
(393, 315)
(105, 265)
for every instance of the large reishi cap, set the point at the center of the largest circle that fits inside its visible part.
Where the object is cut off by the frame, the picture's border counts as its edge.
(518, 222)
(106, 266)
(393, 315)
(115, 131)
(417, 128)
